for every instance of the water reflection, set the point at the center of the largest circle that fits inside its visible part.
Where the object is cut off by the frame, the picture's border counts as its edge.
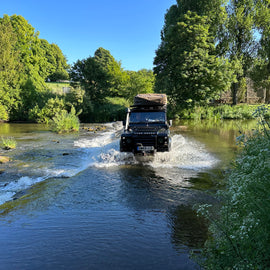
(137, 216)
(187, 228)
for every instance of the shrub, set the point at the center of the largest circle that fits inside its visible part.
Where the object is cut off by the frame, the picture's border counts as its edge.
(65, 122)
(241, 235)
(222, 112)
(3, 113)
(51, 108)
(8, 143)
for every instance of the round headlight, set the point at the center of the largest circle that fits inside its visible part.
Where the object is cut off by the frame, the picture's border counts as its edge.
(162, 131)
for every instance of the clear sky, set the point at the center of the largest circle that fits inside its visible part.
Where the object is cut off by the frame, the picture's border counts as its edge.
(129, 29)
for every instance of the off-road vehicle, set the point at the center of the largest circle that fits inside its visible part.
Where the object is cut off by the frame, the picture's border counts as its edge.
(146, 129)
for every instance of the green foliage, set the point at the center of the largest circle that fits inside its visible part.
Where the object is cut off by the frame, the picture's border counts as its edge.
(100, 76)
(3, 113)
(243, 111)
(58, 62)
(260, 71)
(64, 122)
(53, 107)
(186, 67)
(191, 49)
(139, 82)
(8, 143)
(239, 42)
(10, 69)
(25, 62)
(241, 233)
(112, 109)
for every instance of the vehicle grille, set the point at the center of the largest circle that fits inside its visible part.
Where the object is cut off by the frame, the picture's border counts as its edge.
(145, 130)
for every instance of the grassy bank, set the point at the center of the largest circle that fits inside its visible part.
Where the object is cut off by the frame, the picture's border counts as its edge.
(242, 111)
(58, 88)
(240, 229)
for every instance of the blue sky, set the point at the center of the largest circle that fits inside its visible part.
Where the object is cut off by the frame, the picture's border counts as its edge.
(129, 29)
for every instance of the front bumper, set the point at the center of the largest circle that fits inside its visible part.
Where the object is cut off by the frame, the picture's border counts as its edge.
(145, 144)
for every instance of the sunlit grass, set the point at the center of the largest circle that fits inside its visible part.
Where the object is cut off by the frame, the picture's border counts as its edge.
(8, 143)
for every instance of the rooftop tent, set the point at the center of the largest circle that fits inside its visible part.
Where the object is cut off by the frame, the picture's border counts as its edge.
(150, 100)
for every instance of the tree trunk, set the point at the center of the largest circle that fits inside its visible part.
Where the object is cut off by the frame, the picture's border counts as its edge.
(267, 96)
(234, 92)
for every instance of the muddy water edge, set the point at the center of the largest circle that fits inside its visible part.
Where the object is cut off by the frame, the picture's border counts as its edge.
(75, 202)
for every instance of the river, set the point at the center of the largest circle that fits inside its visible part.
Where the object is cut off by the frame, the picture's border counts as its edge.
(75, 202)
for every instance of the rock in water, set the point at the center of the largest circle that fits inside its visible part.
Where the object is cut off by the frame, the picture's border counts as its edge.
(4, 159)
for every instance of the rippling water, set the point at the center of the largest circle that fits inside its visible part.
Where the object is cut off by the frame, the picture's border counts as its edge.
(76, 202)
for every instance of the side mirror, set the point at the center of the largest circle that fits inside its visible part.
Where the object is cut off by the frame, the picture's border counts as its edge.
(170, 123)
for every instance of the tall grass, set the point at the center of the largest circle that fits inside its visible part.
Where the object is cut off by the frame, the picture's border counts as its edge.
(8, 143)
(243, 111)
(240, 230)
(64, 122)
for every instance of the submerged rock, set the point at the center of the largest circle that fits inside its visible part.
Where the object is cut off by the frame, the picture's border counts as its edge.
(4, 159)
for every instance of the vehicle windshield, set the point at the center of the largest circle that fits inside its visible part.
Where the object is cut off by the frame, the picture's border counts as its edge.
(147, 117)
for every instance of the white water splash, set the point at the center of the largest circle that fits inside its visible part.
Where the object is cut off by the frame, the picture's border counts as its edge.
(186, 158)
(9, 190)
(104, 151)
(185, 154)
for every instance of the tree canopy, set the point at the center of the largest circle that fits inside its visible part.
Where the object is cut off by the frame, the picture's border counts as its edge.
(229, 40)
(186, 64)
(102, 76)
(26, 61)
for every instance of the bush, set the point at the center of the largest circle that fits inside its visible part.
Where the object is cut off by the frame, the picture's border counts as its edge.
(65, 122)
(51, 108)
(3, 113)
(222, 112)
(241, 235)
(8, 143)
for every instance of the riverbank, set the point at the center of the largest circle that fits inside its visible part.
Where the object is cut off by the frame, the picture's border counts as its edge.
(240, 235)
(223, 111)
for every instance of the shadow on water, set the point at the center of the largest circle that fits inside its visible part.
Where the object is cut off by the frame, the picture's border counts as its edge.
(143, 190)
(187, 228)
(143, 187)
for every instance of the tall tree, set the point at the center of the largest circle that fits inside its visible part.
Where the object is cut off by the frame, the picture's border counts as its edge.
(100, 75)
(10, 69)
(60, 63)
(26, 63)
(260, 72)
(186, 64)
(239, 42)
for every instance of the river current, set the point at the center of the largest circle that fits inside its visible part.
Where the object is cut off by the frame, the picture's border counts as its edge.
(75, 202)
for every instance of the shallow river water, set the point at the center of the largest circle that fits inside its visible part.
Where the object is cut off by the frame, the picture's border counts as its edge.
(75, 202)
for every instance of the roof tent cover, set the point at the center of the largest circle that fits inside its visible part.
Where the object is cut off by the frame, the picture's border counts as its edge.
(150, 100)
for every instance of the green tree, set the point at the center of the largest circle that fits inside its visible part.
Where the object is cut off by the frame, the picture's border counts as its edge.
(239, 42)
(186, 65)
(25, 62)
(10, 69)
(139, 82)
(261, 69)
(59, 61)
(101, 76)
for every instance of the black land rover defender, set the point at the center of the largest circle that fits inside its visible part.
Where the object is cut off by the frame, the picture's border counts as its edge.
(146, 129)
